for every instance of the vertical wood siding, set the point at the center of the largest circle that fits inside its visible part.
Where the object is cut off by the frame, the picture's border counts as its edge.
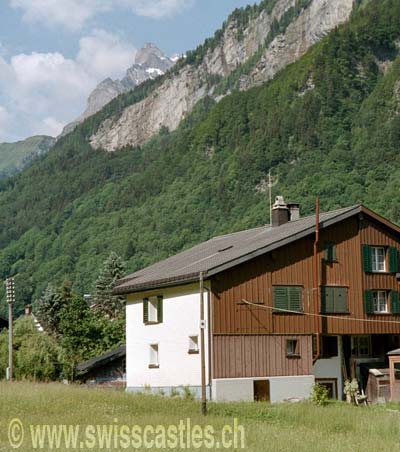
(293, 265)
(260, 356)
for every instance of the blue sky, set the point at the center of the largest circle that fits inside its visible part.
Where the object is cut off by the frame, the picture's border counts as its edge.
(54, 52)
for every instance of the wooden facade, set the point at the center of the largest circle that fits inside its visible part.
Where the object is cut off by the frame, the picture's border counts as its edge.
(237, 353)
(242, 356)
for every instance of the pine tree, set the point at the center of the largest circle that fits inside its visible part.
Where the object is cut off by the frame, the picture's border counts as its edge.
(49, 307)
(112, 270)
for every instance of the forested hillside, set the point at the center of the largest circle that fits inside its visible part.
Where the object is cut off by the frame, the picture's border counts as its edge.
(328, 125)
(16, 156)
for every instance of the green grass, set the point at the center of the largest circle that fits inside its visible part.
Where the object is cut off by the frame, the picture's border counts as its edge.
(282, 427)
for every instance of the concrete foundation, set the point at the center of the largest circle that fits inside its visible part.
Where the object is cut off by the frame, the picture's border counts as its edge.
(281, 388)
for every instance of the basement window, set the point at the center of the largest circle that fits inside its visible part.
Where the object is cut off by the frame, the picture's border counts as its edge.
(292, 348)
(154, 363)
(193, 345)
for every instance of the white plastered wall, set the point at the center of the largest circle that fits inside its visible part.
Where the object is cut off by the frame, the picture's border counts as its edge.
(330, 368)
(181, 319)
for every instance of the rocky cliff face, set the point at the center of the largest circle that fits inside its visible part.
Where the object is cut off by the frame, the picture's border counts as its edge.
(177, 95)
(150, 62)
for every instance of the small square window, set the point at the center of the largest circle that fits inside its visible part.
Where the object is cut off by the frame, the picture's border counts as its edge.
(193, 344)
(378, 259)
(154, 363)
(292, 348)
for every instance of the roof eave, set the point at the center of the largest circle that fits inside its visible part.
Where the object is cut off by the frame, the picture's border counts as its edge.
(181, 280)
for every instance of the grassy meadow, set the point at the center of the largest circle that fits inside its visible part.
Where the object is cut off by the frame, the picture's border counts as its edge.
(283, 427)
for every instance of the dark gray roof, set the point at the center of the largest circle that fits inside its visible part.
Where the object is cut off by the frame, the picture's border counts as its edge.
(98, 361)
(226, 251)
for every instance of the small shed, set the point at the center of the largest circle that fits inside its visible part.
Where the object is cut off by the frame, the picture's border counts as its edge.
(394, 366)
(378, 384)
(107, 370)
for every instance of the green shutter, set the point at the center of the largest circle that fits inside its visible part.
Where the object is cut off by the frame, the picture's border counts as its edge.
(395, 302)
(281, 298)
(145, 310)
(330, 252)
(340, 300)
(367, 258)
(334, 300)
(295, 298)
(368, 302)
(327, 299)
(393, 260)
(160, 309)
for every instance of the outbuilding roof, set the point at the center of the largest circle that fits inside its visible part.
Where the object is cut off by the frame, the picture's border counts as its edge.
(226, 251)
(101, 360)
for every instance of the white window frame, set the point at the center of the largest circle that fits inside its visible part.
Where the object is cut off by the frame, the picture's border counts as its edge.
(153, 309)
(378, 264)
(194, 344)
(380, 301)
(154, 356)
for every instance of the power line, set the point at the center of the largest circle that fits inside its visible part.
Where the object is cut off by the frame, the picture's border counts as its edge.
(326, 316)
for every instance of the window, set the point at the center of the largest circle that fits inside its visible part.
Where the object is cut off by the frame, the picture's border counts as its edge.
(153, 310)
(330, 252)
(329, 346)
(334, 300)
(193, 344)
(380, 301)
(288, 298)
(377, 302)
(154, 363)
(378, 259)
(360, 346)
(292, 348)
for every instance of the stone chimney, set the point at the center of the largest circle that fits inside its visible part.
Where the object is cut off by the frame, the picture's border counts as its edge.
(280, 212)
(28, 310)
(294, 211)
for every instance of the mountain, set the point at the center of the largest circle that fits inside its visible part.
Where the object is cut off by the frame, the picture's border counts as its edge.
(327, 124)
(15, 156)
(253, 46)
(150, 62)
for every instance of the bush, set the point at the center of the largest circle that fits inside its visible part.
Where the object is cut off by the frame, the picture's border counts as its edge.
(36, 355)
(320, 395)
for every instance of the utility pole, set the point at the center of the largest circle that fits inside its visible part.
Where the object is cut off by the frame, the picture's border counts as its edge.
(202, 349)
(10, 293)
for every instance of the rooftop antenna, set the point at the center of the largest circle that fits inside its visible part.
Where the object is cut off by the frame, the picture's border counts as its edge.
(271, 182)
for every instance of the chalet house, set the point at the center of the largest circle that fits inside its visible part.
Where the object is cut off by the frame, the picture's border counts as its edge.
(306, 299)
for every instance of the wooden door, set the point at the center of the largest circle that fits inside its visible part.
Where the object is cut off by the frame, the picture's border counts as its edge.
(261, 391)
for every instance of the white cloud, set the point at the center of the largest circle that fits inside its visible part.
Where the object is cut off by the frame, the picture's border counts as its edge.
(157, 9)
(5, 121)
(105, 54)
(44, 91)
(73, 14)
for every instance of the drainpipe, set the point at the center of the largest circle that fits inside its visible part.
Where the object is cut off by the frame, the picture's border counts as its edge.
(316, 274)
